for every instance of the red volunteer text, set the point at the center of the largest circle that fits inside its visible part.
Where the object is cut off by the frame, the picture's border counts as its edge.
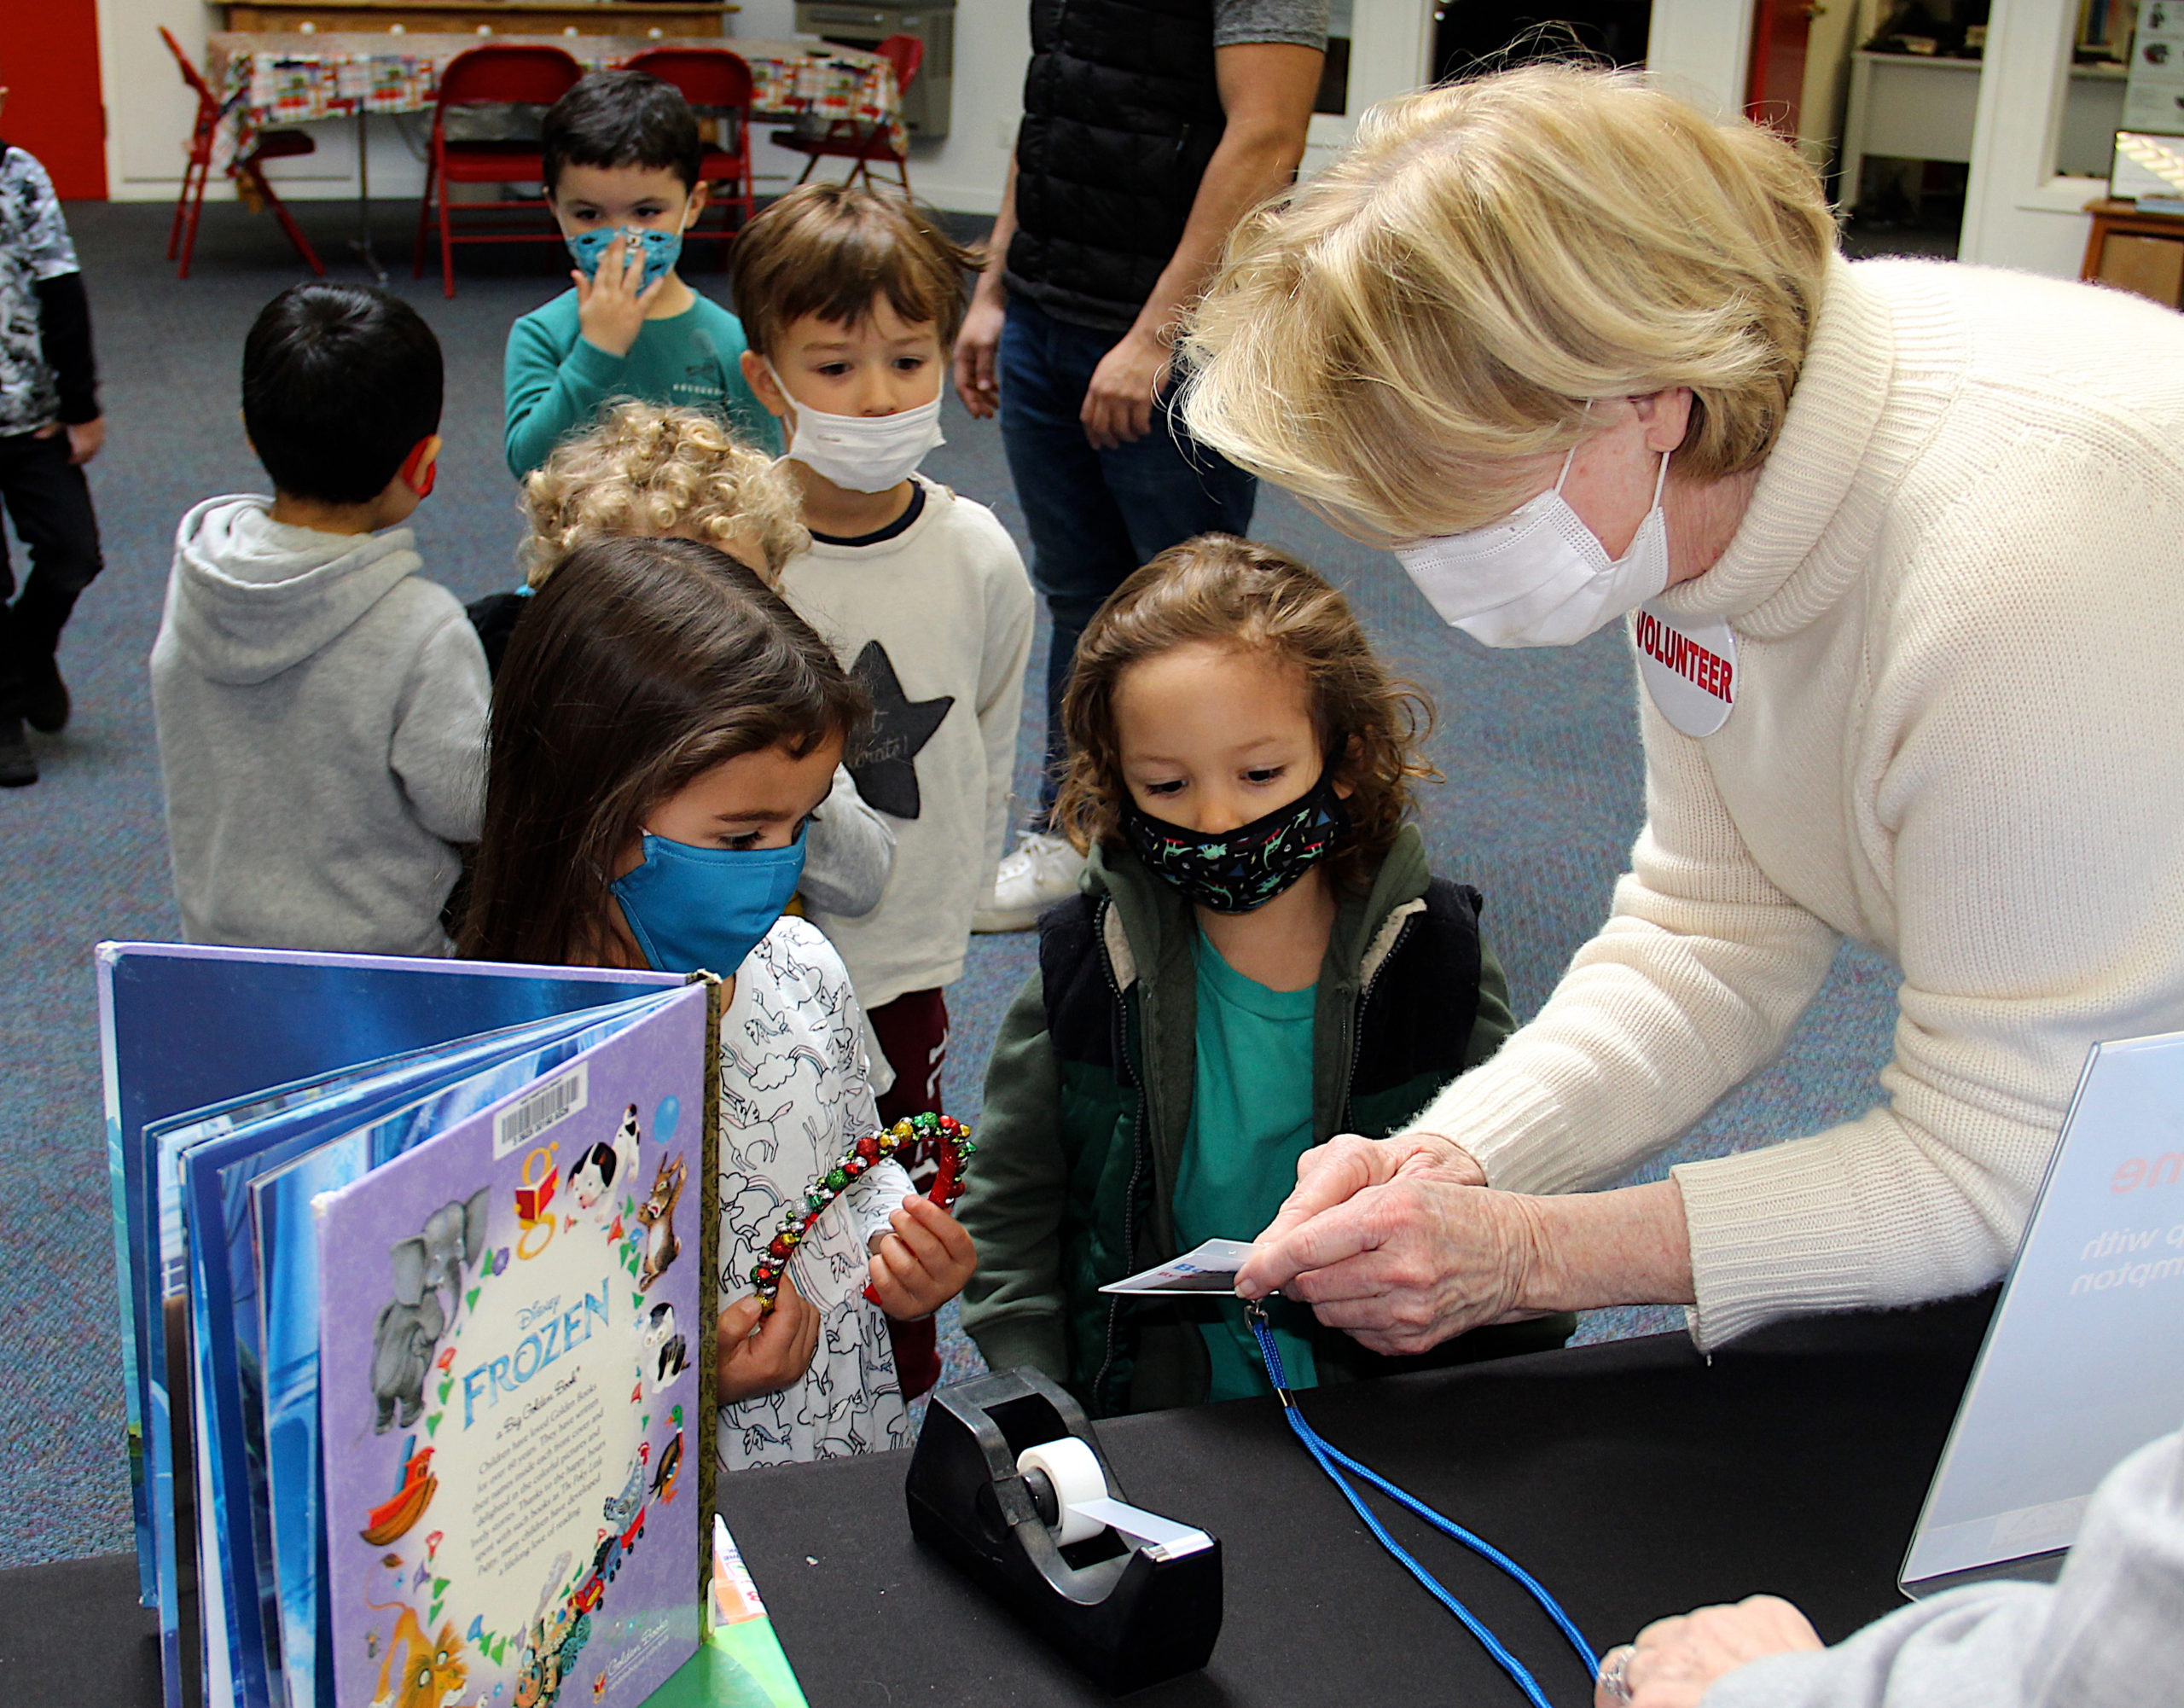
(1707, 669)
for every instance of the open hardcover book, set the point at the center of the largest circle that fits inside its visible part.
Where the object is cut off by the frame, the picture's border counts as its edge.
(417, 1263)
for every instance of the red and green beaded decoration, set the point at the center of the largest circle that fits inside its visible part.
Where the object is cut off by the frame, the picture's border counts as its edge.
(923, 1131)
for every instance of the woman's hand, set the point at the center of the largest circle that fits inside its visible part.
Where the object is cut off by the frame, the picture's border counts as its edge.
(924, 1263)
(1675, 1661)
(1395, 1240)
(610, 308)
(773, 1357)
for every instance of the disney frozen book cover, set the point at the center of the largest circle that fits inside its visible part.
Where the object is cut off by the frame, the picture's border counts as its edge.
(515, 1376)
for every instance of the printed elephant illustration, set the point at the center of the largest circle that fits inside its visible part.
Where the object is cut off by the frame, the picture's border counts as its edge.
(409, 1325)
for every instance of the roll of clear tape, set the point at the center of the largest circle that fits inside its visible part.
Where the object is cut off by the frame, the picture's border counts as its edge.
(1074, 1470)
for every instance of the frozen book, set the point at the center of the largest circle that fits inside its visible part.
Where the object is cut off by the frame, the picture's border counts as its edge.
(513, 1338)
(417, 1260)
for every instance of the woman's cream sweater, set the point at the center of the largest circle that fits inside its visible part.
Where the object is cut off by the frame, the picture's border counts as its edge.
(1959, 737)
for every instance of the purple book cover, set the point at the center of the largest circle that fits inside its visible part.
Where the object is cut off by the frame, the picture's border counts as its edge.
(511, 1322)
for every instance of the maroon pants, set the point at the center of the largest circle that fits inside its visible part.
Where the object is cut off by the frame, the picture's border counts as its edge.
(913, 1033)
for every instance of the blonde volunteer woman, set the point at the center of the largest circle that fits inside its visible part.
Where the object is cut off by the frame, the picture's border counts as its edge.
(1901, 550)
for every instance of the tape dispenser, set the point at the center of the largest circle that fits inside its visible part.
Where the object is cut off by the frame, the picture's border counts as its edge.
(1008, 1484)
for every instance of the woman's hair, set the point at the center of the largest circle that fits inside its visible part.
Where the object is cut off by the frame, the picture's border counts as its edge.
(1220, 590)
(641, 665)
(646, 470)
(1400, 340)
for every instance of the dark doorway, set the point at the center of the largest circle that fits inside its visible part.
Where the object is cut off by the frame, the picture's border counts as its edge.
(1469, 32)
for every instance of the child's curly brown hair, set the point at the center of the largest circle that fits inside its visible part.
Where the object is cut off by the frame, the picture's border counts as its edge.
(650, 472)
(1240, 594)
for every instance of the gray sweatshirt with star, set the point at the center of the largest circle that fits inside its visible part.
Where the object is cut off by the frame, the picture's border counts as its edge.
(321, 709)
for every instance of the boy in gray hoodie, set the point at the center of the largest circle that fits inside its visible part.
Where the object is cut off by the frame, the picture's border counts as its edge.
(321, 706)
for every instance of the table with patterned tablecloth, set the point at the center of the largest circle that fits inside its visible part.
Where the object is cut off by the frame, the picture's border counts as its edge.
(267, 79)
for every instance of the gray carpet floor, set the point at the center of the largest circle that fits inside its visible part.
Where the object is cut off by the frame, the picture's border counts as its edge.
(1541, 799)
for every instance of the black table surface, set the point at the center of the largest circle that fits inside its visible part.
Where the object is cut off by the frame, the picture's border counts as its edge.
(1635, 1479)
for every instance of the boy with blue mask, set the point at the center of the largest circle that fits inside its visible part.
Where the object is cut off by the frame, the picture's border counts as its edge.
(664, 728)
(851, 299)
(621, 151)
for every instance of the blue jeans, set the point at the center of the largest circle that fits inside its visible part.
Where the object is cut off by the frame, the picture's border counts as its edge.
(1095, 515)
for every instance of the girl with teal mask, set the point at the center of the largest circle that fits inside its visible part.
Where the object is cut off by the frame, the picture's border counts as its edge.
(664, 728)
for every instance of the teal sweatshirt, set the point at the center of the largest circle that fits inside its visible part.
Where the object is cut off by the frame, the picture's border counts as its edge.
(556, 379)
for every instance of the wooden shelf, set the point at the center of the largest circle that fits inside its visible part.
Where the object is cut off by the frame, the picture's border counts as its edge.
(495, 17)
(2141, 253)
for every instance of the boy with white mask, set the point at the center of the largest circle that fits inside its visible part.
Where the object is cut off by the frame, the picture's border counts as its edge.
(851, 300)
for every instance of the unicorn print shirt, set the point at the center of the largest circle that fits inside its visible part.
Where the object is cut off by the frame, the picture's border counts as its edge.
(793, 1096)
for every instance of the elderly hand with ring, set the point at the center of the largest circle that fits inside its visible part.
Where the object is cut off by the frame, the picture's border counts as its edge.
(1675, 1661)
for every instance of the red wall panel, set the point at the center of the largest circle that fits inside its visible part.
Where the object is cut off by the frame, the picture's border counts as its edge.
(49, 66)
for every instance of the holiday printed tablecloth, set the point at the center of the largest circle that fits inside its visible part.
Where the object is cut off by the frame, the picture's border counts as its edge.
(276, 78)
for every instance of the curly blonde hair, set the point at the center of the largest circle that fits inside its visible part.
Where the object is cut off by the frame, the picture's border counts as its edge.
(650, 471)
(1235, 593)
(1402, 339)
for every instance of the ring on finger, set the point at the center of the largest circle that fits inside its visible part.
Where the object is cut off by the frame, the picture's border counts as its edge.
(1612, 1683)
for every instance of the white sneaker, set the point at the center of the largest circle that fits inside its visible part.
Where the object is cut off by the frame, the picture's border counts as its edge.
(1043, 870)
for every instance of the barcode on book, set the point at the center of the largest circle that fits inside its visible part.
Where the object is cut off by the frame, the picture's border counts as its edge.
(557, 1099)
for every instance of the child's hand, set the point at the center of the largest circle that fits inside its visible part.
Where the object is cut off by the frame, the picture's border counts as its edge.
(85, 439)
(610, 308)
(776, 1356)
(924, 1263)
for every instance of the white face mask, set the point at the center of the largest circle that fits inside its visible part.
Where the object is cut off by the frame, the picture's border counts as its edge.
(1541, 578)
(864, 453)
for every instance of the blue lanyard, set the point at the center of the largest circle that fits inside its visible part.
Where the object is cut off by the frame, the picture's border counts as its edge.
(1329, 1457)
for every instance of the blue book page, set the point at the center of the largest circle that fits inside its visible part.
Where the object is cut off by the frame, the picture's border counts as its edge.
(186, 1026)
(286, 1307)
(510, 1403)
(223, 1328)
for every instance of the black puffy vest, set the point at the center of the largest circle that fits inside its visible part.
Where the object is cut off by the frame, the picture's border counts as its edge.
(1121, 113)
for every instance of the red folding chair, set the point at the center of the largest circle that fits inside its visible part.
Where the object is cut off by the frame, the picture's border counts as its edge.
(246, 168)
(846, 140)
(499, 74)
(716, 83)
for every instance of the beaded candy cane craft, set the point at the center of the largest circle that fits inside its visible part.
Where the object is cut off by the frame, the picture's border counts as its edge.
(953, 1137)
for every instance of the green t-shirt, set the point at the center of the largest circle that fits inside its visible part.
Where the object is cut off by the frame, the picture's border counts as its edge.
(555, 380)
(1250, 1120)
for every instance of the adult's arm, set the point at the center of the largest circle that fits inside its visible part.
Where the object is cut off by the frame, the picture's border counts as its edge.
(978, 344)
(1267, 91)
(1694, 981)
(1014, 1193)
(2109, 1635)
(2012, 839)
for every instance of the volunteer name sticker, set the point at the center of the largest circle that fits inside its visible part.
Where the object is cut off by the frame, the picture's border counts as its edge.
(1690, 668)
